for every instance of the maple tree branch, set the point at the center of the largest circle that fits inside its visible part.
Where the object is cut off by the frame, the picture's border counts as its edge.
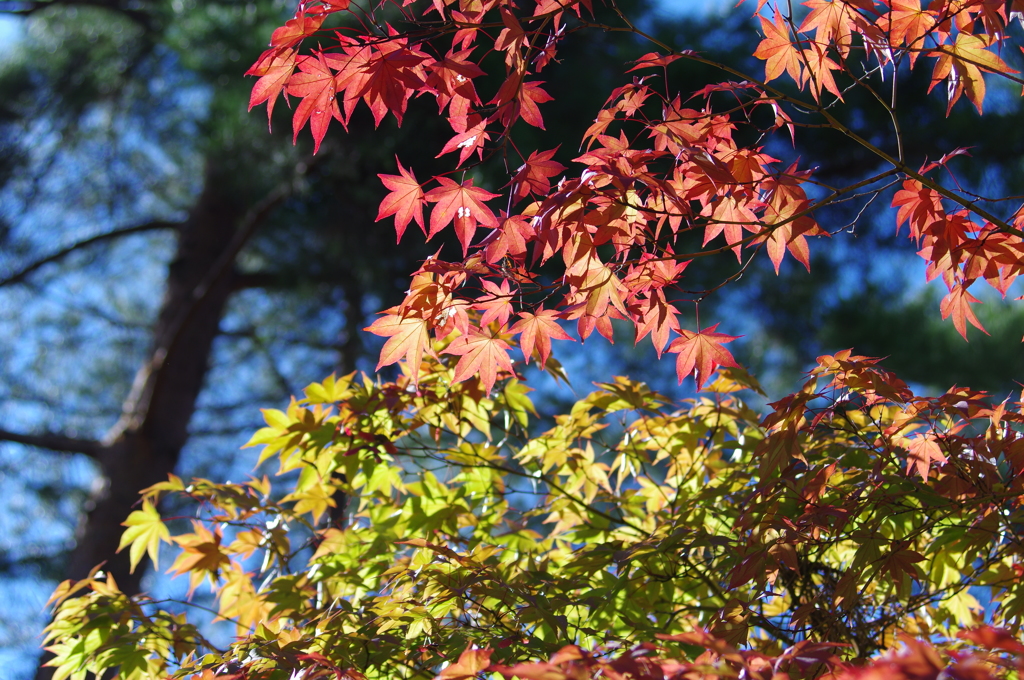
(28, 7)
(28, 269)
(54, 441)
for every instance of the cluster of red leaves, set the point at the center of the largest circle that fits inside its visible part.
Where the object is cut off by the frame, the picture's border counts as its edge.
(653, 170)
(958, 34)
(988, 652)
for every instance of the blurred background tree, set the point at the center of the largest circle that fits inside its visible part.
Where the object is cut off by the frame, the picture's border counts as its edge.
(168, 267)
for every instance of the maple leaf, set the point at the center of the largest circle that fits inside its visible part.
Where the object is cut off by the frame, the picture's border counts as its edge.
(201, 555)
(452, 78)
(471, 662)
(496, 307)
(919, 206)
(832, 21)
(957, 304)
(701, 352)
(656, 316)
(819, 71)
(296, 30)
(530, 95)
(463, 203)
(275, 68)
(144, 533)
(468, 140)
(653, 59)
(408, 338)
(518, 99)
(532, 176)
(777, 49)
(315, 84)
(405, 201)
(538, 329)
(961, 64)
(512, 40)
(922, 451)
(509, 238)
(906, 23)
(483, 353)
(731, 217)
(385, 75)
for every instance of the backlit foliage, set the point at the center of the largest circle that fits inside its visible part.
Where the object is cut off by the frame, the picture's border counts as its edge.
(435, 526)
(855, 513)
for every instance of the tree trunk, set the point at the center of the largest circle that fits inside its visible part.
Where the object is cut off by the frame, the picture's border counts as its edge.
(145, 444)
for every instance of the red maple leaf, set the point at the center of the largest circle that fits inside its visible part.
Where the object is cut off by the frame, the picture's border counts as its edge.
(385, 75)
(653, 59)
(296, 30)
(512, 39)
(483, 353)
(315, 84)
(452, 78)
(517, 99)
(530, 95)
(509, 238)
(468, 140)
(701, 352)
(405, 201)
(538, 329)
(463, 203)
(655, 315)
(532, 176)
(274, 68)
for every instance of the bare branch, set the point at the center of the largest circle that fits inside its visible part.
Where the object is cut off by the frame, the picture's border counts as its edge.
(20, 275)
(54, 442)
(28, 7)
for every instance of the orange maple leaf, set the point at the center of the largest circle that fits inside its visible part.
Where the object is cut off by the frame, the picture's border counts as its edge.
(961, 64)
(408, 338)
(537, 332)
(906, 23)
(470, 663)
(957, 304)
(777, 49)
(701, 352)
(483, 353)
(832, 21)
(201, 555)
(922, 451)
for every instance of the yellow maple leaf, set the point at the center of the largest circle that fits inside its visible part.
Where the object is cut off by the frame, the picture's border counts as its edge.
(144, 533)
